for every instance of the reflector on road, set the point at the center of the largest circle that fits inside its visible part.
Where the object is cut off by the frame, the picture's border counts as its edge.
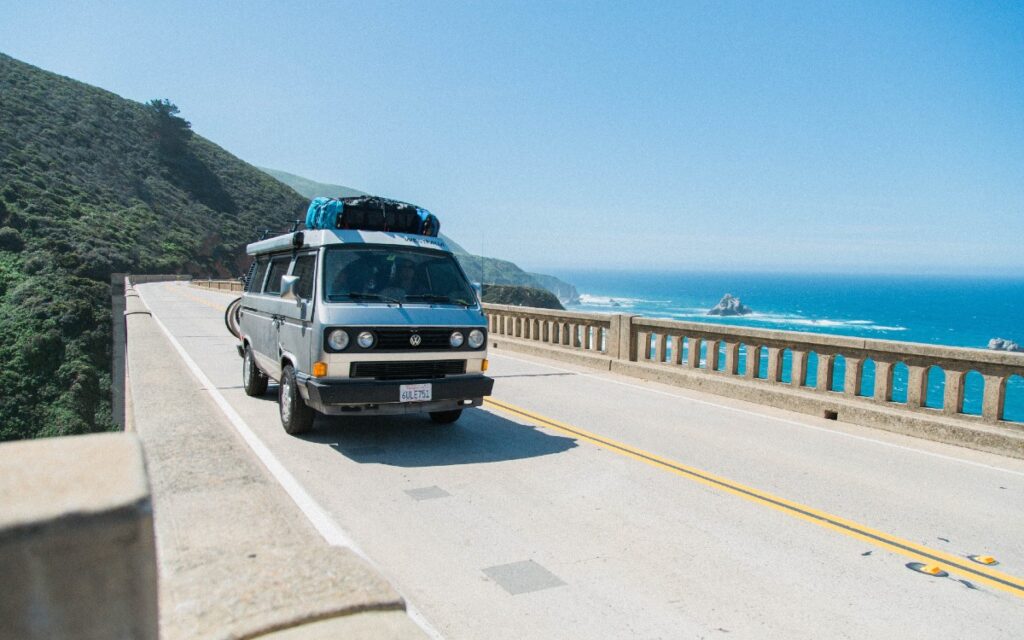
(983, 559)
(928, 569)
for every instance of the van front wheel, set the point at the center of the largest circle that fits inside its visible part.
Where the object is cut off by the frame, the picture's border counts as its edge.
(445, 417)
(296, 415)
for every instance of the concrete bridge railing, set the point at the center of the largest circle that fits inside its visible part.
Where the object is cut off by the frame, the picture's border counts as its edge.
(220, 285)
(819, 374)
(815, 373)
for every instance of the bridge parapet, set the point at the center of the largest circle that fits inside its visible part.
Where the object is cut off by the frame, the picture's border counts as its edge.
(815, 370)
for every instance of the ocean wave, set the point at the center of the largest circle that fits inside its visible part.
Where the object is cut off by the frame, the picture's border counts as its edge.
(611, 301)
(699, 315)
(664, 309)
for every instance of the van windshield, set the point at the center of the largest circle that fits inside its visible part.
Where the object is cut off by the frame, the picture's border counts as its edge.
(395, 275)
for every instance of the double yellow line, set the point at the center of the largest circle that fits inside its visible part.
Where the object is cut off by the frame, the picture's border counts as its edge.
(949, 562)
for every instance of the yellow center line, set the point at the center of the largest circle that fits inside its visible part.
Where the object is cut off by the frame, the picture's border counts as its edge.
(950, 562)
(185, 293)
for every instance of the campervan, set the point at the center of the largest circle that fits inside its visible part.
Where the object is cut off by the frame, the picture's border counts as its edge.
(351, 321)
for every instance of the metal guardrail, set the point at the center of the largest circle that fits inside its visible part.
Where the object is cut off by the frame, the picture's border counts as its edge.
(822, 363)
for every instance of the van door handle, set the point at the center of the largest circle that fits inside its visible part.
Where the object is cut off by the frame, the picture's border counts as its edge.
(277, 322)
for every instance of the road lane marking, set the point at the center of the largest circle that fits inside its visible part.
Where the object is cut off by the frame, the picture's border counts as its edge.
(765, 416)
(321, 520)
(1003, 581)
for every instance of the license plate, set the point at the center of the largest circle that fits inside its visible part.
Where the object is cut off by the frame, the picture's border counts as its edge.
(415, 392)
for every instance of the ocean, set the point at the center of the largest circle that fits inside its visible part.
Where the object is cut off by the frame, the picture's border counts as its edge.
(958, 311)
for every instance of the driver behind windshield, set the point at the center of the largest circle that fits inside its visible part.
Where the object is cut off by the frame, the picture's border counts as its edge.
(403, 280)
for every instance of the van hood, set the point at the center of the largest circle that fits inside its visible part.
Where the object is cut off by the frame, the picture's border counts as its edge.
(362, 314)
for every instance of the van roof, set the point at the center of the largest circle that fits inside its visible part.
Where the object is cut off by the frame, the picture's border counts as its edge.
(315, 238)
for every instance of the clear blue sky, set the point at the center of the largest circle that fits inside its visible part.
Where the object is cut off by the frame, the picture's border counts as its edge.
(782, 136)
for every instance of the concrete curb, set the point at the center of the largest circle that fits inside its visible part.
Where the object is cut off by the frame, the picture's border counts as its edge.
(237, 557)
(964, 432)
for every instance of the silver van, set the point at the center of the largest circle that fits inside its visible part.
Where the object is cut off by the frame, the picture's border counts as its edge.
(362, 322)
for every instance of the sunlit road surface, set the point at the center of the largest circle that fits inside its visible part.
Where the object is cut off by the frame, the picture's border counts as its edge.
(584, 505)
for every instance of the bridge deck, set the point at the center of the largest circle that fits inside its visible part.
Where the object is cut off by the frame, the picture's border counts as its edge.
(586, 505)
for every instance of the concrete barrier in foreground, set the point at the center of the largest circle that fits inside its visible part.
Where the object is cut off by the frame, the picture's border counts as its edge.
(771, 367)
(77, 553)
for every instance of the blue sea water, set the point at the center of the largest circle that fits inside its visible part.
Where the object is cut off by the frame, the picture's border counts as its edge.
(958, 311)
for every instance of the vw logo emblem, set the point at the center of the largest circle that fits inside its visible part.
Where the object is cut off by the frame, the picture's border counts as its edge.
(415, 339)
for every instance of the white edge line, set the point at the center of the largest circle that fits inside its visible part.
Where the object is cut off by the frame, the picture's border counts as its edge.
(321, 520)
(763, 415)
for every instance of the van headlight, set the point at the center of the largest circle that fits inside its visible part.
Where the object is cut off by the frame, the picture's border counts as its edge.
(365, 339)
(456, 339)
(476, 338)
(337, 339)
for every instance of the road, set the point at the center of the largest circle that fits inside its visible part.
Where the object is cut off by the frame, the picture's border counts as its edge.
(577, 504)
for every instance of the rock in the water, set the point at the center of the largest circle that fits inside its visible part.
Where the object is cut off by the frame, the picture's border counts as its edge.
(729, 306)
(1001, 344)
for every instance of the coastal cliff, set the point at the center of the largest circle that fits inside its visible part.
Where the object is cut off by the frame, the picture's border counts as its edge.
(520, 296)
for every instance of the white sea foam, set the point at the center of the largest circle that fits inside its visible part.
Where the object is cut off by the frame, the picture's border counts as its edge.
(610, 301)
(660, 309)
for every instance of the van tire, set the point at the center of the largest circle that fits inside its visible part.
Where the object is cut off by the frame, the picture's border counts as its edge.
(254, 381)
(445, 417)
(296, 416)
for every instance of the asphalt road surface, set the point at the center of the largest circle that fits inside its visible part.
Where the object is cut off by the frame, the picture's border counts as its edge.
(577, 504)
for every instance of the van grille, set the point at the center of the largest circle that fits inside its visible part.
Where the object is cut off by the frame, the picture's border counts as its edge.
(414, 370)
(398, 339)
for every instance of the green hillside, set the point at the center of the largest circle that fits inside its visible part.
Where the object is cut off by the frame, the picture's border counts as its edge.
(310, 188)
(478, 268)
(91, 184)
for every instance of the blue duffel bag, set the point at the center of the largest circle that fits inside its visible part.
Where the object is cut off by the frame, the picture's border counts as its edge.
(323, 213)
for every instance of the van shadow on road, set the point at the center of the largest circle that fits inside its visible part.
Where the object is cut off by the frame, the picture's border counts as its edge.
(414, 441)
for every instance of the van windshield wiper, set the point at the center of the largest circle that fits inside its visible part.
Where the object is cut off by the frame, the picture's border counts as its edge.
(362, 295)
(436, 297)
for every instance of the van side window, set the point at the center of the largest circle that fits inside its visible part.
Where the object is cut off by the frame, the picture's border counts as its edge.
(304, 268)
(278, 268)
(256, 283)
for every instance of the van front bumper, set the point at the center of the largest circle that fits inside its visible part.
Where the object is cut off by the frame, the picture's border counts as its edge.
(381, 396)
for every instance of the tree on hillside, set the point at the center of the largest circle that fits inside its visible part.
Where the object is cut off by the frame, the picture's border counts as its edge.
(170, 130)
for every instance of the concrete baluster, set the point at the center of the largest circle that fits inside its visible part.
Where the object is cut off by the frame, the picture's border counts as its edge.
(518, 325)
(753, 360)
(677, 349)
(732, 358)
(883, 381)
(853, 376)
(825, 371)
(711, 355)
(798, 375)
(643, 346)
(917, 386)
(659, 348)
(545, 331)
(693, 352)
(953, 399)
(994, 400)
(774, 364)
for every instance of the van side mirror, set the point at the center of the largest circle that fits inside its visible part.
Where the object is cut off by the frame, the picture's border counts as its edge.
(479, 289)
(288, 284)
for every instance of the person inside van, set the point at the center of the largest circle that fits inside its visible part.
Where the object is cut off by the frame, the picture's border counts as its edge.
(403, 281)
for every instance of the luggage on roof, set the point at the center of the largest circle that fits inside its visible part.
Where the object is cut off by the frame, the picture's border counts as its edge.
(370, 213)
